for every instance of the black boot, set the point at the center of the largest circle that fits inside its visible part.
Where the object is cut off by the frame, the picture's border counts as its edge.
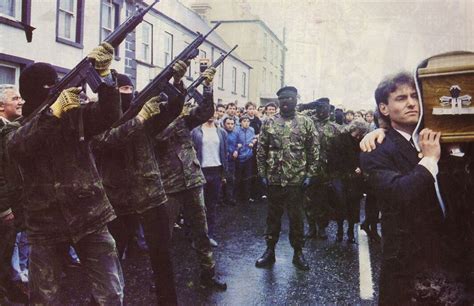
(299, 261)
(267, 259)
(340, 231)
(212, 281)
(350, 233)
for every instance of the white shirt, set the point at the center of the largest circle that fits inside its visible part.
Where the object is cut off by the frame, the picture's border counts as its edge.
(210, 147)
(428, 162)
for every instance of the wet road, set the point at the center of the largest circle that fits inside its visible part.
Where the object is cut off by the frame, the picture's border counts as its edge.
(334, 276)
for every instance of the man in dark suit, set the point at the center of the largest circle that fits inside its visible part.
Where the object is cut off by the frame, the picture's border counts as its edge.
(403, 179)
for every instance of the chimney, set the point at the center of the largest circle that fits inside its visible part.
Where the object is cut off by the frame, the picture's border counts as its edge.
(202, 9)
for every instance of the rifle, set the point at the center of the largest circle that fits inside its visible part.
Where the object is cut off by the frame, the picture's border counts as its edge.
(85, 71)
(161, 82)
(191, 92)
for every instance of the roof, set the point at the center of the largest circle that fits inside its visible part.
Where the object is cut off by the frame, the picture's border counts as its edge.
(188, 20)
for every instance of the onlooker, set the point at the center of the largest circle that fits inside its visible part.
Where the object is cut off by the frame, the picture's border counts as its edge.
(369, 117)
(339, 116)
(359, 115)
(343, 164)
(255, 122)
(232, 154)
(231, 111)
(210, 142)
(220, 112)
(256, 191)
(348, 117)
(245, 143)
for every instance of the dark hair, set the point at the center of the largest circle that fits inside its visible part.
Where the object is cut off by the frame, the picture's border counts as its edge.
(229, 105)
(250, 103)
(349, 112)
(243, 117)
(271, 104)
(226, 119)
(220, 105)
(390, 83)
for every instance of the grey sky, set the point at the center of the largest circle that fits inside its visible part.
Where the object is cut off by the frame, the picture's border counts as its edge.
(342, 49)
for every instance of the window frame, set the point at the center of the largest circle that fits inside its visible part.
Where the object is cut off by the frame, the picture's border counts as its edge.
(244, 84)
(78, 42)
(234, 80)
(25, 15)
(140, 44)
(167, 35)
(117, 7)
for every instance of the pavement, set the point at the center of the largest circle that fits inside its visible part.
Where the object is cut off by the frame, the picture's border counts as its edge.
(341, 273)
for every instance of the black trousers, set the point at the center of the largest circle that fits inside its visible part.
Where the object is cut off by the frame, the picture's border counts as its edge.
(7, 242)
(155, 224)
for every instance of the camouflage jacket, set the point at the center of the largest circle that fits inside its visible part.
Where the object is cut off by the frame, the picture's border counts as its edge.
(127, 163)
(179, 166)
(288, 150)
(10, 179)
(327, 131)
(64, 196)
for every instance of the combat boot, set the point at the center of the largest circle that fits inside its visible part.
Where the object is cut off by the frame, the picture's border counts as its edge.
(299, 261)
(268, 258)
(212, 281)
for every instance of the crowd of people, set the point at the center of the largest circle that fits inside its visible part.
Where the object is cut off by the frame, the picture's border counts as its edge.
(77, 191)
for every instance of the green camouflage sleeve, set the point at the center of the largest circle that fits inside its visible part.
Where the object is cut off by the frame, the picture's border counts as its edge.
(312, 148)
(262, 150)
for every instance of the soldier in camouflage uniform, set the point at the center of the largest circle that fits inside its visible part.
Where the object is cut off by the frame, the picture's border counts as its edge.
(288, 161)
(65, 201)
(317, 205)
(127, 164)
(183, 180)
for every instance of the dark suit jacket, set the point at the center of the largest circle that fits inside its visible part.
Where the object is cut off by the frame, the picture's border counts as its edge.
(412, 220)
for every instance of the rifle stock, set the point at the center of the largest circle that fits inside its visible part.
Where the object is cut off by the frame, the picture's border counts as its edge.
(85, 71)
(161, 81)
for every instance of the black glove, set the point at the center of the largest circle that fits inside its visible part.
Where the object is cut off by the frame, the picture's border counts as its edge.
(264, 181)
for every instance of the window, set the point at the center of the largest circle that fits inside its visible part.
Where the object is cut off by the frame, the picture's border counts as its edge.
(202, 54)
(234, 80)
(221, 75)
(168, 47)
(9, 74)
(69, 22)
(11, 8)
(145, 45)
(244, 84)
(190, 67)
(264, 45)
(264, 79)
(107, 24)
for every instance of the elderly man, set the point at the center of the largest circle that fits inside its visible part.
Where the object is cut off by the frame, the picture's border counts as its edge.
(11, 105)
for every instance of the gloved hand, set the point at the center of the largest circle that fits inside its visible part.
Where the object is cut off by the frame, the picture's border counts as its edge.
(307, 182)
(209, 75)
(264, 181)
(102, 56)
(67, 100)
(179, 70)
(150, 109)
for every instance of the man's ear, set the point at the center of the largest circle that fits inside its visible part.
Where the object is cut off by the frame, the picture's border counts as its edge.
(383, 109)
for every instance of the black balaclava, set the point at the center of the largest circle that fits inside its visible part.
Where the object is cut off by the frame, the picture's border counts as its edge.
(323, 108)
(287, 96)
(124, 80)
(35, 83)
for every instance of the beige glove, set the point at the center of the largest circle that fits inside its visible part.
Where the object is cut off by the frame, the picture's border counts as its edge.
(67, 100)
(209, 75)
(179, 70)
(150, 109)
(102, 56)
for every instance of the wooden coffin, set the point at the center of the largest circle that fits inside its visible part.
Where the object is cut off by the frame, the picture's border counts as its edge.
(446, 84)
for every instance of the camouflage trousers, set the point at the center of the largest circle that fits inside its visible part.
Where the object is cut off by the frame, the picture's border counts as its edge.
(290, 197)
(192, 202)
(100, 262)
(317, 206)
